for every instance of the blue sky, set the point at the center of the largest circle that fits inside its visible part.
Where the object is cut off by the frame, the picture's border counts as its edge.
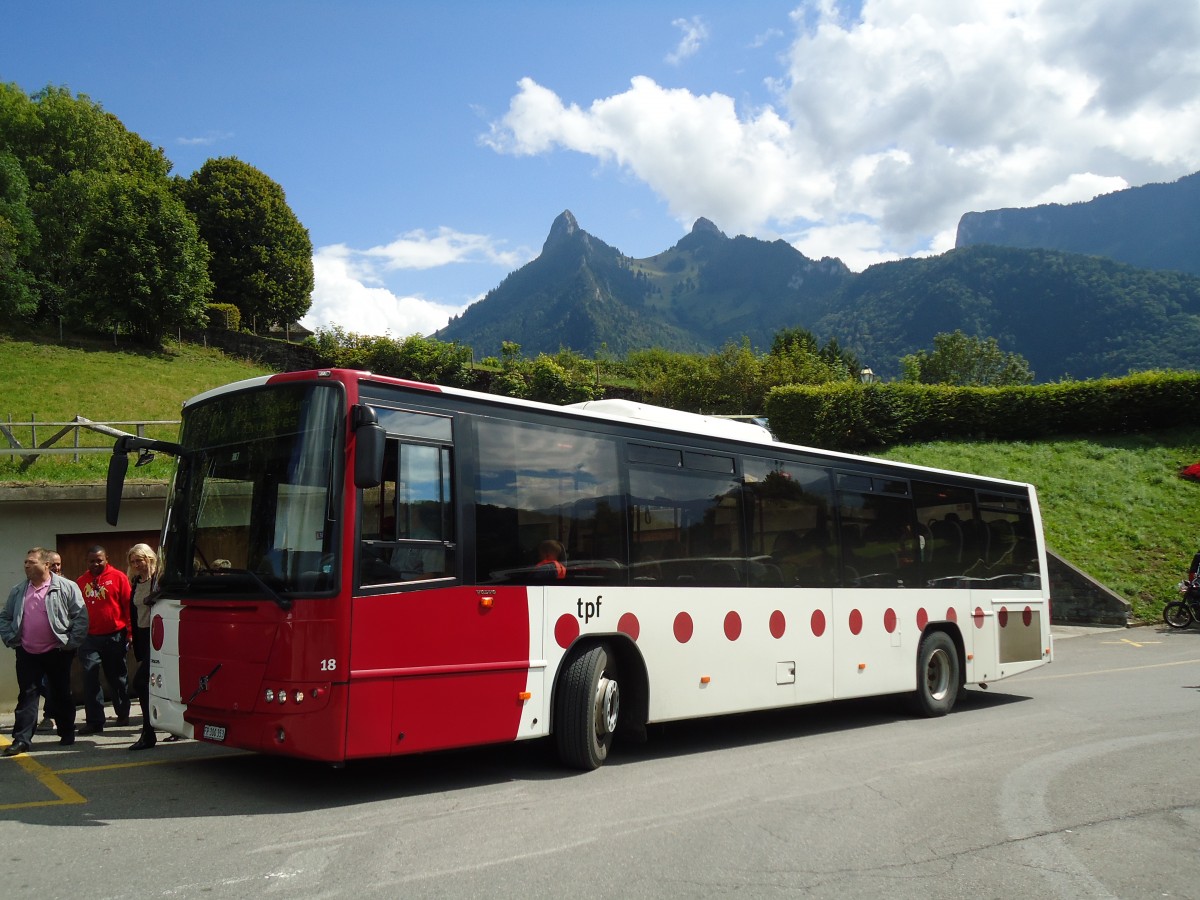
(428, 147)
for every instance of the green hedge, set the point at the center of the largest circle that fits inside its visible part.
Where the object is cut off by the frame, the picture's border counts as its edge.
(853, 417)
(224, 315)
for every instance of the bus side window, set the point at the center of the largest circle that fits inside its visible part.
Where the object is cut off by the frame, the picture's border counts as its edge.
(790, 524)
(407, 525)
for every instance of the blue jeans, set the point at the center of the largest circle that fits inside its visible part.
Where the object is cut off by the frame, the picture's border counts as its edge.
(105, 651)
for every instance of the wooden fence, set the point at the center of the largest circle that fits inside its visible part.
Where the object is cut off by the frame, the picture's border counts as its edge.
(10, 430)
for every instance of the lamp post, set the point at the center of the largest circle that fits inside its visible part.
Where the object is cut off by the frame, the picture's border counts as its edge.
(866, 376)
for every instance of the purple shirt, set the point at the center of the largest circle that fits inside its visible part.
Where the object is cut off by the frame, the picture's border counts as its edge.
(36, 634)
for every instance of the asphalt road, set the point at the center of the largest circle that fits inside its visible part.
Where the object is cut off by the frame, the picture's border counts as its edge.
(1079, 780)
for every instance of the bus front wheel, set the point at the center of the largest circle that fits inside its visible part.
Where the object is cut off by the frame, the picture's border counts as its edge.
(938, 675)
(587, 707)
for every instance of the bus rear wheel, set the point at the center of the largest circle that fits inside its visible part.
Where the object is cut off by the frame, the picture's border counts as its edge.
(938, 675)
(586, 709)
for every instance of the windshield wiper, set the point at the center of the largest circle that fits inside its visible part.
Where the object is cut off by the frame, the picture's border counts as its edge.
(284, 603)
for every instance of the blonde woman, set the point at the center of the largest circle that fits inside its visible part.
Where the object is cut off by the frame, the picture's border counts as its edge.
(143, 578)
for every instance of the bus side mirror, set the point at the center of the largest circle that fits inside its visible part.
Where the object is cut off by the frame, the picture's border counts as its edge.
(118, 465)
(369, 440)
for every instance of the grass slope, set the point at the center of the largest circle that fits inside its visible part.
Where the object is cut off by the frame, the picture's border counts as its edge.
(1113, 506)
(49, 382)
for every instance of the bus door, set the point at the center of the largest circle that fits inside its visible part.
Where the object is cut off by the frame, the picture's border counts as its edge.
(417, 639)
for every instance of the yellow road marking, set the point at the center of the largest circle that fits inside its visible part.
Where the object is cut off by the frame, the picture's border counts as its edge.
(67, 795)
(1166, 665)
(1131, 643)
(149, 762)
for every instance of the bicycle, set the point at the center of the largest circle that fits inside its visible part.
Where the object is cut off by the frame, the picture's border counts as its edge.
(1182, 613)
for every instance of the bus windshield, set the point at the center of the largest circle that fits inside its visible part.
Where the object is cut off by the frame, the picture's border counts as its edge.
(253, 505)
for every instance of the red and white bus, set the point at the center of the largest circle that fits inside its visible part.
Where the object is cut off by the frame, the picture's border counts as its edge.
(357, 566)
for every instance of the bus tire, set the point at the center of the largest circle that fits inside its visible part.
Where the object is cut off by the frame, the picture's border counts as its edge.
(586, 709)
(939, 674)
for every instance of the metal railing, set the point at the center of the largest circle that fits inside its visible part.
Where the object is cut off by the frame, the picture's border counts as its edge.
(73, 428)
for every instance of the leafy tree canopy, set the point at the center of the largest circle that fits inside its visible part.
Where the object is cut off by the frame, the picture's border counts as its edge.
(261, 254)
(141, 263)
(64, 142)
(966, 361)
(18, 239)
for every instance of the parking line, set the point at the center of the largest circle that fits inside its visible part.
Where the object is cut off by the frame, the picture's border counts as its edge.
(150, 762)
(67, 795)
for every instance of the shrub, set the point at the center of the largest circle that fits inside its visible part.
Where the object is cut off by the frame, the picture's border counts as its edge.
(224, 315)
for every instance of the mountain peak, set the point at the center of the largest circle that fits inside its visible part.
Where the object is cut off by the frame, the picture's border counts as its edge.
(563, 229)
(703, 225)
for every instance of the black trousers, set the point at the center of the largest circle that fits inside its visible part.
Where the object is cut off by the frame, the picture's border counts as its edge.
(55, 667)
(141, 678)
(105, 651)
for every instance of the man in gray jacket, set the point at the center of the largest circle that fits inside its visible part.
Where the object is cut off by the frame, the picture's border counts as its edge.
(44, 620)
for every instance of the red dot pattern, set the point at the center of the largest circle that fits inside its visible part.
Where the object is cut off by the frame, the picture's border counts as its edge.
(818, 622)
(567, 626)
(733, 626)
(683, 628)
(856, 621)
(778, 624)
(630, 625)
(566, 629)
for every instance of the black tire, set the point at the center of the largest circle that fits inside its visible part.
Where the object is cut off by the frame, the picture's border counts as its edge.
(586, 709)
(939, 673)
(1177, 614)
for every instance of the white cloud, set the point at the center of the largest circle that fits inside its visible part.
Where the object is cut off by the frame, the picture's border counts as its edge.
(422, 250)
(344, 296)
(213, 137)
(889, 126)
(695, 33)
(350, 287)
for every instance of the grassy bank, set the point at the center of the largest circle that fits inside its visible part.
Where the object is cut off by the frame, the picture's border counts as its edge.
(48, 382)
(1113, 506)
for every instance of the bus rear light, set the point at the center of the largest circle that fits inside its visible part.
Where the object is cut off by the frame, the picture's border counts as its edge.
(280, 735)
(862, 667)
(282, 697)
(299, 696)
(524, 695)
(486, 602)
(970, 656)
(269, 696)
(705, 679)
(318, 693)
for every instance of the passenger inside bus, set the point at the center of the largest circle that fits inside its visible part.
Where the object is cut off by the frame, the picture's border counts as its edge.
(550, 560)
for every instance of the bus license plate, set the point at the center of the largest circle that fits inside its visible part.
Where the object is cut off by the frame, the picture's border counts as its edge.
(214, 732)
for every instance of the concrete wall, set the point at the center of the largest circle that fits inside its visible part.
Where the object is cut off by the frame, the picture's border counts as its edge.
(1078, 599)
(50, 515)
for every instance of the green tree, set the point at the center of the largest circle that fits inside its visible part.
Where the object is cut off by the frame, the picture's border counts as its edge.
(261, 254)
(18, 240)
(966, 361)
(142, 266)
(64, 144)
